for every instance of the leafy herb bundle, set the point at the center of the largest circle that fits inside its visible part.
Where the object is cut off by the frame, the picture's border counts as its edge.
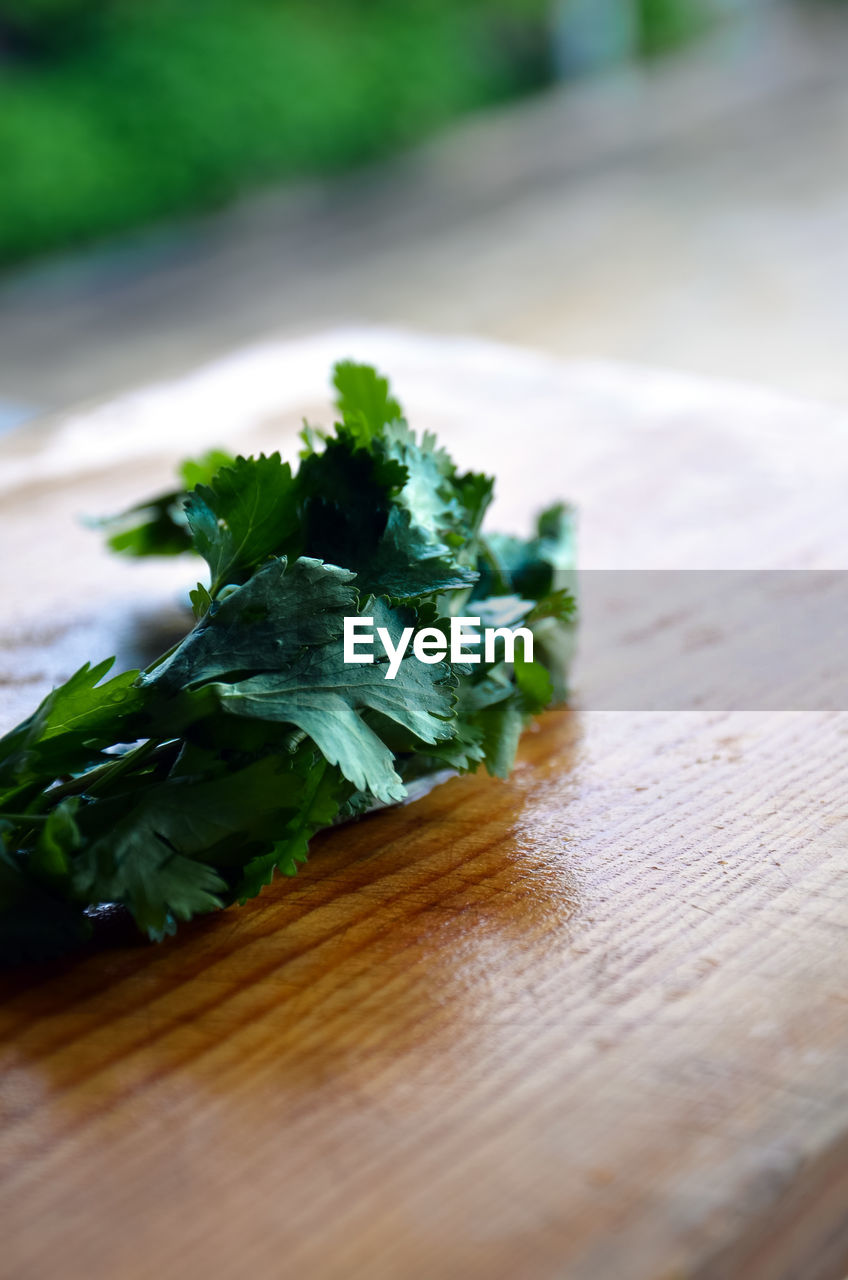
(183, 788)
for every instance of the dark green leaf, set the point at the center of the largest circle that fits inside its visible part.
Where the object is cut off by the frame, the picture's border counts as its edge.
(246, 514)
(406, 564)
(262, 625)
(319, 794)
(325, 698)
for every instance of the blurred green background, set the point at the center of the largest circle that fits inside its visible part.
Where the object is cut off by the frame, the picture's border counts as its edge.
(114, 113)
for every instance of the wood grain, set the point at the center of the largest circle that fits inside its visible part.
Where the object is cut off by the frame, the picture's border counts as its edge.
(589, 1022)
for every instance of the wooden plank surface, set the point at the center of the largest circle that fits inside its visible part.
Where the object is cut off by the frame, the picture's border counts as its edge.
(590, 1022)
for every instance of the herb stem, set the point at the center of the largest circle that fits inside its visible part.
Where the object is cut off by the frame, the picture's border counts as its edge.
(95, 780)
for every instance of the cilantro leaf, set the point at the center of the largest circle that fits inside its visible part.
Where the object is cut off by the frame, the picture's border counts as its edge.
(326, 699)
(73, 724)
(185, 788)
(405, 563)
(158, 526)
(318, 794)
(203, 470)
(243, 516)
(345, 495)
(262, 625)
(158, 885)
(364, 401)
(534, 568)
(150, 858)
(501, 724)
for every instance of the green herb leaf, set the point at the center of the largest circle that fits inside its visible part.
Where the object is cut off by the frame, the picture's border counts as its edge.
(185, 788)
(325, 698)
(363, 400)
(71, 727)
(243, 516)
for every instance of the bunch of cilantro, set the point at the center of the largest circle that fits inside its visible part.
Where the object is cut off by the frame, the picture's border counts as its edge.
(183, 788)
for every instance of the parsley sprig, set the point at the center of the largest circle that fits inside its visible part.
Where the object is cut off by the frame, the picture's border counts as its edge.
(185, 787)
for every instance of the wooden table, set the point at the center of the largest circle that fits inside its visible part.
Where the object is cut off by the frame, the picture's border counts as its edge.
(588, 1023)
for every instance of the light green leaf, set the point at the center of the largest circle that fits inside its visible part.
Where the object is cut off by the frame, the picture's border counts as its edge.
(363, 400)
